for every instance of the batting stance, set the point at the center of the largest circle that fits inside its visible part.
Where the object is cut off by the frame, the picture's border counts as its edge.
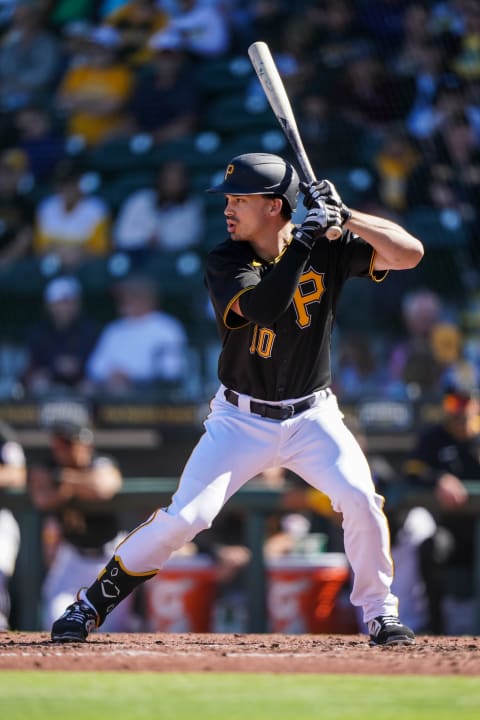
(274, 287)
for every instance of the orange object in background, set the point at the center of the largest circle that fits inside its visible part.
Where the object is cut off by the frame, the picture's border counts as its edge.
(181, 598)
(305, 595)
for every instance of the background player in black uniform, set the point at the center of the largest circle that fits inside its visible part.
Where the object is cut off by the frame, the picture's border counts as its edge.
(274, 288)
(66, 488)
(12, 475)
(446, 454)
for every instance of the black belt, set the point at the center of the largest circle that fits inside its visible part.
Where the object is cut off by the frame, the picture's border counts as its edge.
(276, 412)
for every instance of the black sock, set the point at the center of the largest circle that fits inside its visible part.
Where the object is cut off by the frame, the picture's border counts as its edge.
(112, 586)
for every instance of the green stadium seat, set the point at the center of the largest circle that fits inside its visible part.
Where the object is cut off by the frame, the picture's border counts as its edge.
(438, 228)
(116, 190)
(231, 114)
(120, 155)
(220, 75)
(355, 184)
(215, 227)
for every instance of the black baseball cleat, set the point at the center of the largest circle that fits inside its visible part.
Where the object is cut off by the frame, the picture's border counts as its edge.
(78, 620)
(388, 630)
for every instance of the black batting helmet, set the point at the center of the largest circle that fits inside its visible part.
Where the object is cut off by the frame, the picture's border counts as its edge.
(260, 174)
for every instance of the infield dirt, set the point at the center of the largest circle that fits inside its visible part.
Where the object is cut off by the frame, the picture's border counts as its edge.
(240, 653)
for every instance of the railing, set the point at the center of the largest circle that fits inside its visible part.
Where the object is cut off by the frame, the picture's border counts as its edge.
(143, 495)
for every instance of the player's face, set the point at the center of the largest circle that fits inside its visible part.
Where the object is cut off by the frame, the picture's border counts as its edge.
(464, 423)
(70, 452)
(247, 216)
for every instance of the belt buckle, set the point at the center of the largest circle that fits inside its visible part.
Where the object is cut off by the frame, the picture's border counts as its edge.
(290, 409)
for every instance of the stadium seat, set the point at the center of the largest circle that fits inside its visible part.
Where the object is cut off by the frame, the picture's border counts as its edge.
(116, 190)
(231, 114)
(215, 227)
(121, 155)
(444, 270)
(355, 184)
(438, 228)
(221, 75)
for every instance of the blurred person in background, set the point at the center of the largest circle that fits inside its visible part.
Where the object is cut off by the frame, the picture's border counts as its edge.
(405, 55)
(70, 225)
(360, 373)
(412, 366)
(448, 16)
(394, 163)
(332, 140)
(67, 489)
(450, 178)
(368, 95)
(384, 20)
(16, 211)
(40, 139)
(143, 348)
(165, 102)
(268, 20)
(60, 344)
(6, 13)
(203, 28)
(12, 475)
(467, 60)
(430, 77)
(331, 35)
(164, 218)
(447, 453)
(136, 21)
(64, 13)
(450, 100)
(106, 7)
(29, 58)
(95, 89)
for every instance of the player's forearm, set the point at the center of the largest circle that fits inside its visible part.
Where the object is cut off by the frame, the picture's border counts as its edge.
(395, 248)
(272, 296)
(100, 483)
(12, 477)
(44, 490)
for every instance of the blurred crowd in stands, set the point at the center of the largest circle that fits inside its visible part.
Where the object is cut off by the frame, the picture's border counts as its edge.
(116, 115)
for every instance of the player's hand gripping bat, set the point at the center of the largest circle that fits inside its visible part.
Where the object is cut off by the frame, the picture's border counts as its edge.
(267, 72)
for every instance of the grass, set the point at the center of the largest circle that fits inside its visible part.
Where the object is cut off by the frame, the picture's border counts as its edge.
(204, 696)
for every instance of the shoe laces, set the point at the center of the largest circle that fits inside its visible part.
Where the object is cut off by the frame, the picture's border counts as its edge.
(79, 612)
(389, 620)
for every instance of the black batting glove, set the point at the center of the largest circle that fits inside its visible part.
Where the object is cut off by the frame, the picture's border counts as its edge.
(324, 190)
(317, 221)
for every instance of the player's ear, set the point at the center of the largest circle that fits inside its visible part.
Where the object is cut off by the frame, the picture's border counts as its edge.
(276, 206)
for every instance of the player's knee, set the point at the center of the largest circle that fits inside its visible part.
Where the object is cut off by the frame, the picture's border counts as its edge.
(162, 530)
(197, 524)
(361, 502)
(185, 526)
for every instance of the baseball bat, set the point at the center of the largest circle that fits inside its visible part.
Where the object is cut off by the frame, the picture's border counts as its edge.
(274, 89)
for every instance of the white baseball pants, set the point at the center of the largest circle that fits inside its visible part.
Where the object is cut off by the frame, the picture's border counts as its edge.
(9, 542)
(238, 445)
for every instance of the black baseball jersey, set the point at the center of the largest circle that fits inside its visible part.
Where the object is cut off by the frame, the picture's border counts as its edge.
(290, 358)
(438, 452)
(81, 528)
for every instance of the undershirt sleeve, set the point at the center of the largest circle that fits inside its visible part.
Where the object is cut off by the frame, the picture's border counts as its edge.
(265, 302)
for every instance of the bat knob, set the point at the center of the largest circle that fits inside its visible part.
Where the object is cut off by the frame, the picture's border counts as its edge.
(333, 232)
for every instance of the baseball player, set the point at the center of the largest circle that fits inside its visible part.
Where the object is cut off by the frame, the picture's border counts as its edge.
(73, 471)
(274, 287)
(13, 474)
